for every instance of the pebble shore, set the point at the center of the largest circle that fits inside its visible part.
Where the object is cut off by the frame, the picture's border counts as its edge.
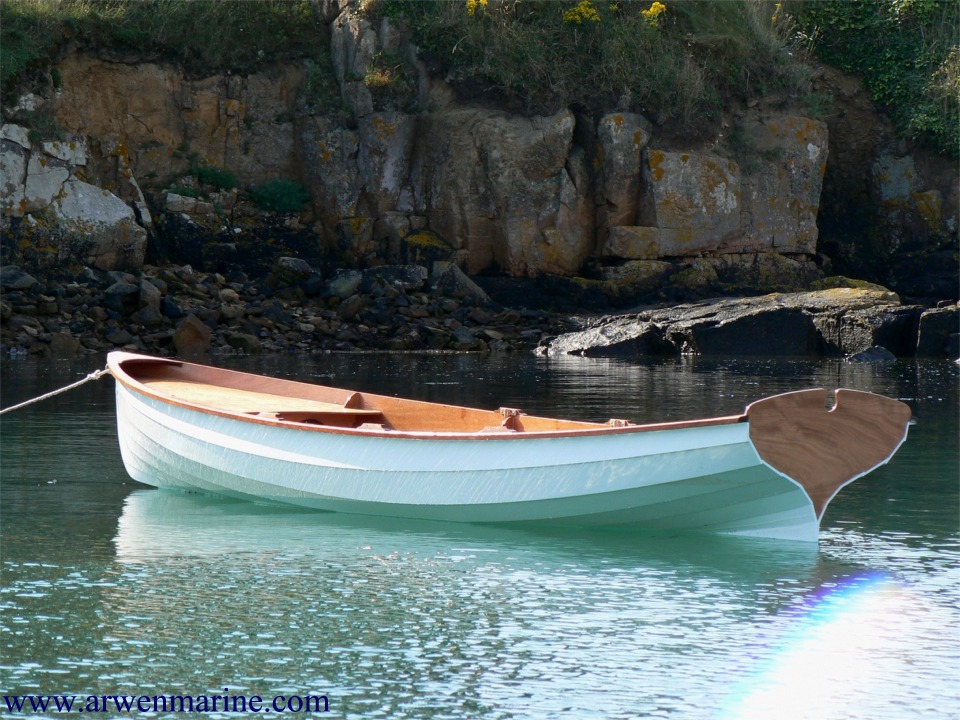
(175, 310)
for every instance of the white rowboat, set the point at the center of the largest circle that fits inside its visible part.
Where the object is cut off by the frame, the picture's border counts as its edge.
(769, 472)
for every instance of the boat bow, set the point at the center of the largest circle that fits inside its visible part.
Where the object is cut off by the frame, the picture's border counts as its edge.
(824, 449)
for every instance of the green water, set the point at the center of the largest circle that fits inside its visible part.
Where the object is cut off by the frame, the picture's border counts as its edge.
(112, 588)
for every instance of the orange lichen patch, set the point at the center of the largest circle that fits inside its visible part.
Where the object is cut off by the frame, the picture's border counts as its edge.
(325, 153)
(637, 139)
(618, 121)
(357, 224)
(426, 238)
(654, 160)
(382, 128)
(930, 207)
(598, 158)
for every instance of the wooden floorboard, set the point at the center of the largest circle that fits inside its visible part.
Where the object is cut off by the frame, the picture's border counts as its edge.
(245, 401)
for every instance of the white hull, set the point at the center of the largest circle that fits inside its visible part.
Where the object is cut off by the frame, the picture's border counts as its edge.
(707, 478)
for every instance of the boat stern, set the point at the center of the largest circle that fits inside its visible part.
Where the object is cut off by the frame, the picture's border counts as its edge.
(823, 449)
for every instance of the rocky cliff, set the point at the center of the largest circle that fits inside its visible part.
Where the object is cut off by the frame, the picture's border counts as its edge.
(424, 177)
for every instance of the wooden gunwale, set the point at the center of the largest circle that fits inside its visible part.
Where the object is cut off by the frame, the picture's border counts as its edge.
(156, 371)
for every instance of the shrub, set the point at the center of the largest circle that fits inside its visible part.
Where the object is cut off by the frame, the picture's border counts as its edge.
(217, 177)
(907, 53)
(183, 191)
(280, 195)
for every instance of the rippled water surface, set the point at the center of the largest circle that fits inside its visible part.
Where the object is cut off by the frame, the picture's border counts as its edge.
(112, 588)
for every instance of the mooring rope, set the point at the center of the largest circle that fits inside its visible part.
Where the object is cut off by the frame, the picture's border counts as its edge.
(95, 375)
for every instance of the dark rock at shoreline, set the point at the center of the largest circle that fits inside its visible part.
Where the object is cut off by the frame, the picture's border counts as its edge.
(837, 321)
(939, 332)
(872, 355)
(176, 310)
(13, 278)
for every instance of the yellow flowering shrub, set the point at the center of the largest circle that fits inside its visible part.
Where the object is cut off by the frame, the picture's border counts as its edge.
(583, 11)
(474, 5)
(652, 14)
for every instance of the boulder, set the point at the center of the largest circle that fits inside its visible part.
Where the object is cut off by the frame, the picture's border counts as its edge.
(150, 295)
(939, 332)
(893, 328)
(617, 337)
(122, 297)
(101, 227)
(758, 330)
(13, 278)
(64, 345)
(873, 354)
(448, 279)
(192, 337)
(777, 325)
(245, 343)
(399, 277)
(44, 181)
(343, 284)
(290, 271)
(350, 307)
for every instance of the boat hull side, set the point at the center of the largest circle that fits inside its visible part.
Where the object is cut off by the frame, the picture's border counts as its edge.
(704, 478)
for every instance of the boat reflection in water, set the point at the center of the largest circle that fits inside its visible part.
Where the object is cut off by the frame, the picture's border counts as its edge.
(158, 524)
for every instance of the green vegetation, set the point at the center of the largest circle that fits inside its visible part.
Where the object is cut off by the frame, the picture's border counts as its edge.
(391, 81)
(280, 195)
(217, 177)
(183, 191)
(201, 35)
(906, 51)
(676, 61)
(680, 62)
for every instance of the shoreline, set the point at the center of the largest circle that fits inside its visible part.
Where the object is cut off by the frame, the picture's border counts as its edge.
(173, 310)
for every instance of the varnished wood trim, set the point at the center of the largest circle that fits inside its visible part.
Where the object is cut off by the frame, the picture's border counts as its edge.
(412, 419)
(824, 450)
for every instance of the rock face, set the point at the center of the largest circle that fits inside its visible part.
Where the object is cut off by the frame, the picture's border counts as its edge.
(889, 211)
(506, 188)
(569, 195)
(825, 322)
(64, 218)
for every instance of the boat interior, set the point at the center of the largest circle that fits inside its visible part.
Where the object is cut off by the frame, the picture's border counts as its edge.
(274, 400)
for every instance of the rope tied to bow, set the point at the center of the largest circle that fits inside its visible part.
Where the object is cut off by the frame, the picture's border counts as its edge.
(95, 375)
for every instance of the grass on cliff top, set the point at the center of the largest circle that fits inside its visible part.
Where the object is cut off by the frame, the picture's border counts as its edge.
(679, 61)
(203, 36)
